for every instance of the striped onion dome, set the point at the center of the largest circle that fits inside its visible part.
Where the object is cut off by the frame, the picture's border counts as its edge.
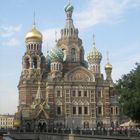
(56, 54)
(94, 56)
(69, 8)
(48, 59)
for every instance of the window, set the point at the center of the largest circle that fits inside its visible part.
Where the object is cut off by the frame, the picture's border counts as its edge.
(85, 93)
(85, 110)
(99, 110)
(67, 91)
(116, 110)
(34, 65)
(73, 93)
(73, 55)
(99, 94)
(58, 93)
(58, 110)
(111, 110)
(27, 63)
(79, 93)
(74, 110)
(80, 110)
(67, 95)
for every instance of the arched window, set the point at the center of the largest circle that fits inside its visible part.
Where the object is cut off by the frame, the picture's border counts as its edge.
(59, 66)
(27, 63)
(73, 55)
(86, 124)
(34, 63)
(64, 52)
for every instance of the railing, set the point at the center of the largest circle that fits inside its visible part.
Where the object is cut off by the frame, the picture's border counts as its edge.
(87, 132)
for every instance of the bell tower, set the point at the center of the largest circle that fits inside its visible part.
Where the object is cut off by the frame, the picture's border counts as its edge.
(70, 43)
(33, 69)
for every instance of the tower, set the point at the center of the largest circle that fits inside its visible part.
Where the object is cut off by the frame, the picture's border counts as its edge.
(70, 43)
(94, 59)
(59, 89)
(56, 56)
(108, 70)
(33, 69)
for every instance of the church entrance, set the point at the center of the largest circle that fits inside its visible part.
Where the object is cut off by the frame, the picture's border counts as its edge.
(42, 125)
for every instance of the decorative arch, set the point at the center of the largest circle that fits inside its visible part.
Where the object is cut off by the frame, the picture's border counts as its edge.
(28, 126)
(73, 55)
(86, 124)
(79, 74)
(26, 62)
(35, 61)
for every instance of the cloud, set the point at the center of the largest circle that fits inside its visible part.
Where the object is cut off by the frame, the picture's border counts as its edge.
(123, 65)
(8, 31)
(10, 42)
(102, 11)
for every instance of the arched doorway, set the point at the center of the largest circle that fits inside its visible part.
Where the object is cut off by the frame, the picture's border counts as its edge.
(42, 126)
(86, 124)
(28, 127)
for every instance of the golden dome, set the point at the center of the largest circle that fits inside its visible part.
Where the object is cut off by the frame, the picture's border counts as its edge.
(34, 34)
(108, 66)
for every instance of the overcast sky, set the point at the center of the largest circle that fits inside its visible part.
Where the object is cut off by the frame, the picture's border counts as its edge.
(115, 24)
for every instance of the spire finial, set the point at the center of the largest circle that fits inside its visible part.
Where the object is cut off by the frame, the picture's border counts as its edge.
(94, 42)
(107, 57)
(34, 23)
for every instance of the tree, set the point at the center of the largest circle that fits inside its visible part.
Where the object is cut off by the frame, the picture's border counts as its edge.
(128, 88)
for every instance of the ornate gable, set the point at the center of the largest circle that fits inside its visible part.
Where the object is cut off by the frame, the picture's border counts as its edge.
(79, 74)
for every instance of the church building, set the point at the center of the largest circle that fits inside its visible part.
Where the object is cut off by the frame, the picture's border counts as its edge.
(62, 89)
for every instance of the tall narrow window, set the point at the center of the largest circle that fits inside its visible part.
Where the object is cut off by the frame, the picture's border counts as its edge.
(99, 110)
(116, 110)
(79, 110)
(64, 52)
(74, 110)
(27, 63)
(73, 93)
(111, 110)
(73, 55)
(34, 62)
(58, 110)
(79, 93)
(85, 110)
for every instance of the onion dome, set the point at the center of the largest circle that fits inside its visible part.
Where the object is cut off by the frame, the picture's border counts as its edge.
(56, 54)
(34, 34)
(69, 8)
(108, 66)
(94, 56)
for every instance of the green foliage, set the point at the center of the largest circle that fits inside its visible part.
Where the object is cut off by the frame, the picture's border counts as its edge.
(128, 88)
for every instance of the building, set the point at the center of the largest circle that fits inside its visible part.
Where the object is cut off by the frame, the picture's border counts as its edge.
(63, 89)
(6, 121)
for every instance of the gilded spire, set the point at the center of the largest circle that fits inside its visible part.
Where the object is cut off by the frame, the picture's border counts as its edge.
(34, 33)
(107, 57)
(108, 65)
(34, 22)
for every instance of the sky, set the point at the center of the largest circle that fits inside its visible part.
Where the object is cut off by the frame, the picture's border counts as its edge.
(115, 24)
